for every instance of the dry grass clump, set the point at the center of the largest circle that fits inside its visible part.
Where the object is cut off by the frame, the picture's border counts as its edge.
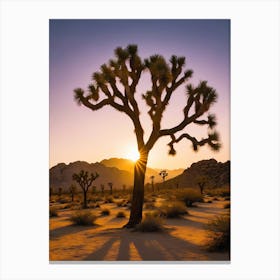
(83, 218)
(53, 211)
(151, 223)
(173, 209)
(120, 214)
(105, 212)
(189, 196)
(219, 234)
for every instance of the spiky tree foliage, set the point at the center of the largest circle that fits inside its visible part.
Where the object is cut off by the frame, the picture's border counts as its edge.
(85, 180)
(163, 174)
(115, 85)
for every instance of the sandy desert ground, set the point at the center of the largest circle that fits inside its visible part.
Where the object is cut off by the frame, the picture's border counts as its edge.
(184, 239)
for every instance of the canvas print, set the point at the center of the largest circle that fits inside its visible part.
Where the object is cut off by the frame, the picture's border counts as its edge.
(139, 140)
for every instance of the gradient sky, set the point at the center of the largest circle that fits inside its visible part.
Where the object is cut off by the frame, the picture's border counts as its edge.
(79, 47)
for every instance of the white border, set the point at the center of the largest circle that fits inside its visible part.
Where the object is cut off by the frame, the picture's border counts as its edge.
(254, 132)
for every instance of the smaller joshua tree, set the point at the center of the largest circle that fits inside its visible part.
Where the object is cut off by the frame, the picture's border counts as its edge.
(85, 180)
(163, 174)
(201, 182)
(110, 184)
(102, 188)
(72, 190)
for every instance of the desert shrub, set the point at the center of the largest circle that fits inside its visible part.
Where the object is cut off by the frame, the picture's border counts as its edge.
(215, 199)
(209, 201)
(173, 209)
(223, 192)
(227, 198)
(63, 200)
(53, 212)
(219, 234)
(105, 212)
(120, 214)
(150, 223)
(227, 205)
(83, 218)
(189, 196)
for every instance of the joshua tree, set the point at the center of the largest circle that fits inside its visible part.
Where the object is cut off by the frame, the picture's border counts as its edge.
(72, 190)
(163, 174)
(102, 188)
(115, 85)
(111, 187)
(85, 180)
(201, 181)
(152, 182)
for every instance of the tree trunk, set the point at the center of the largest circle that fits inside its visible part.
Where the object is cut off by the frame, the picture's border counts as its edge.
(138, 192)
(85, 200)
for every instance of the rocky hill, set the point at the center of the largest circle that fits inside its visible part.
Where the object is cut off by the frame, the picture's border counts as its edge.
(115, 170)
(61, 175)
(216, 173)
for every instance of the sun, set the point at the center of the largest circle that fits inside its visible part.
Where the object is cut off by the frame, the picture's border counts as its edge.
(133, 155)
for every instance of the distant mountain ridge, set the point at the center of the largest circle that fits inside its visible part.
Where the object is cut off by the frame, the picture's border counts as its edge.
(115, 170)
(217, 174)
(128, 165)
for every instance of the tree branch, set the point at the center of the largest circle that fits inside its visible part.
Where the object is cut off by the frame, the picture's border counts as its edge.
(212, 140)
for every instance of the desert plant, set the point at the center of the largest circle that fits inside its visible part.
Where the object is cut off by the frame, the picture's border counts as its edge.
(120, 214)
(105, 212)
(83, 218)
(201, 181)
(85, 181)
(173, 209)
(151, 223)
(115, 84)
(72, 190)
(189, 196)
(53, 211)
(219, 234)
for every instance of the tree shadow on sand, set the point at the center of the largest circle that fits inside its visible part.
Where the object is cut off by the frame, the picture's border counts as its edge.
(67, 230)
(148, 247)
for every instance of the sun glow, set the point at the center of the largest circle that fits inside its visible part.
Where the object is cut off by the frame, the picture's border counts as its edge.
(133, 155)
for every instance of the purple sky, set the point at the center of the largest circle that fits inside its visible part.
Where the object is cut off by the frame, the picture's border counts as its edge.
(79, 47)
